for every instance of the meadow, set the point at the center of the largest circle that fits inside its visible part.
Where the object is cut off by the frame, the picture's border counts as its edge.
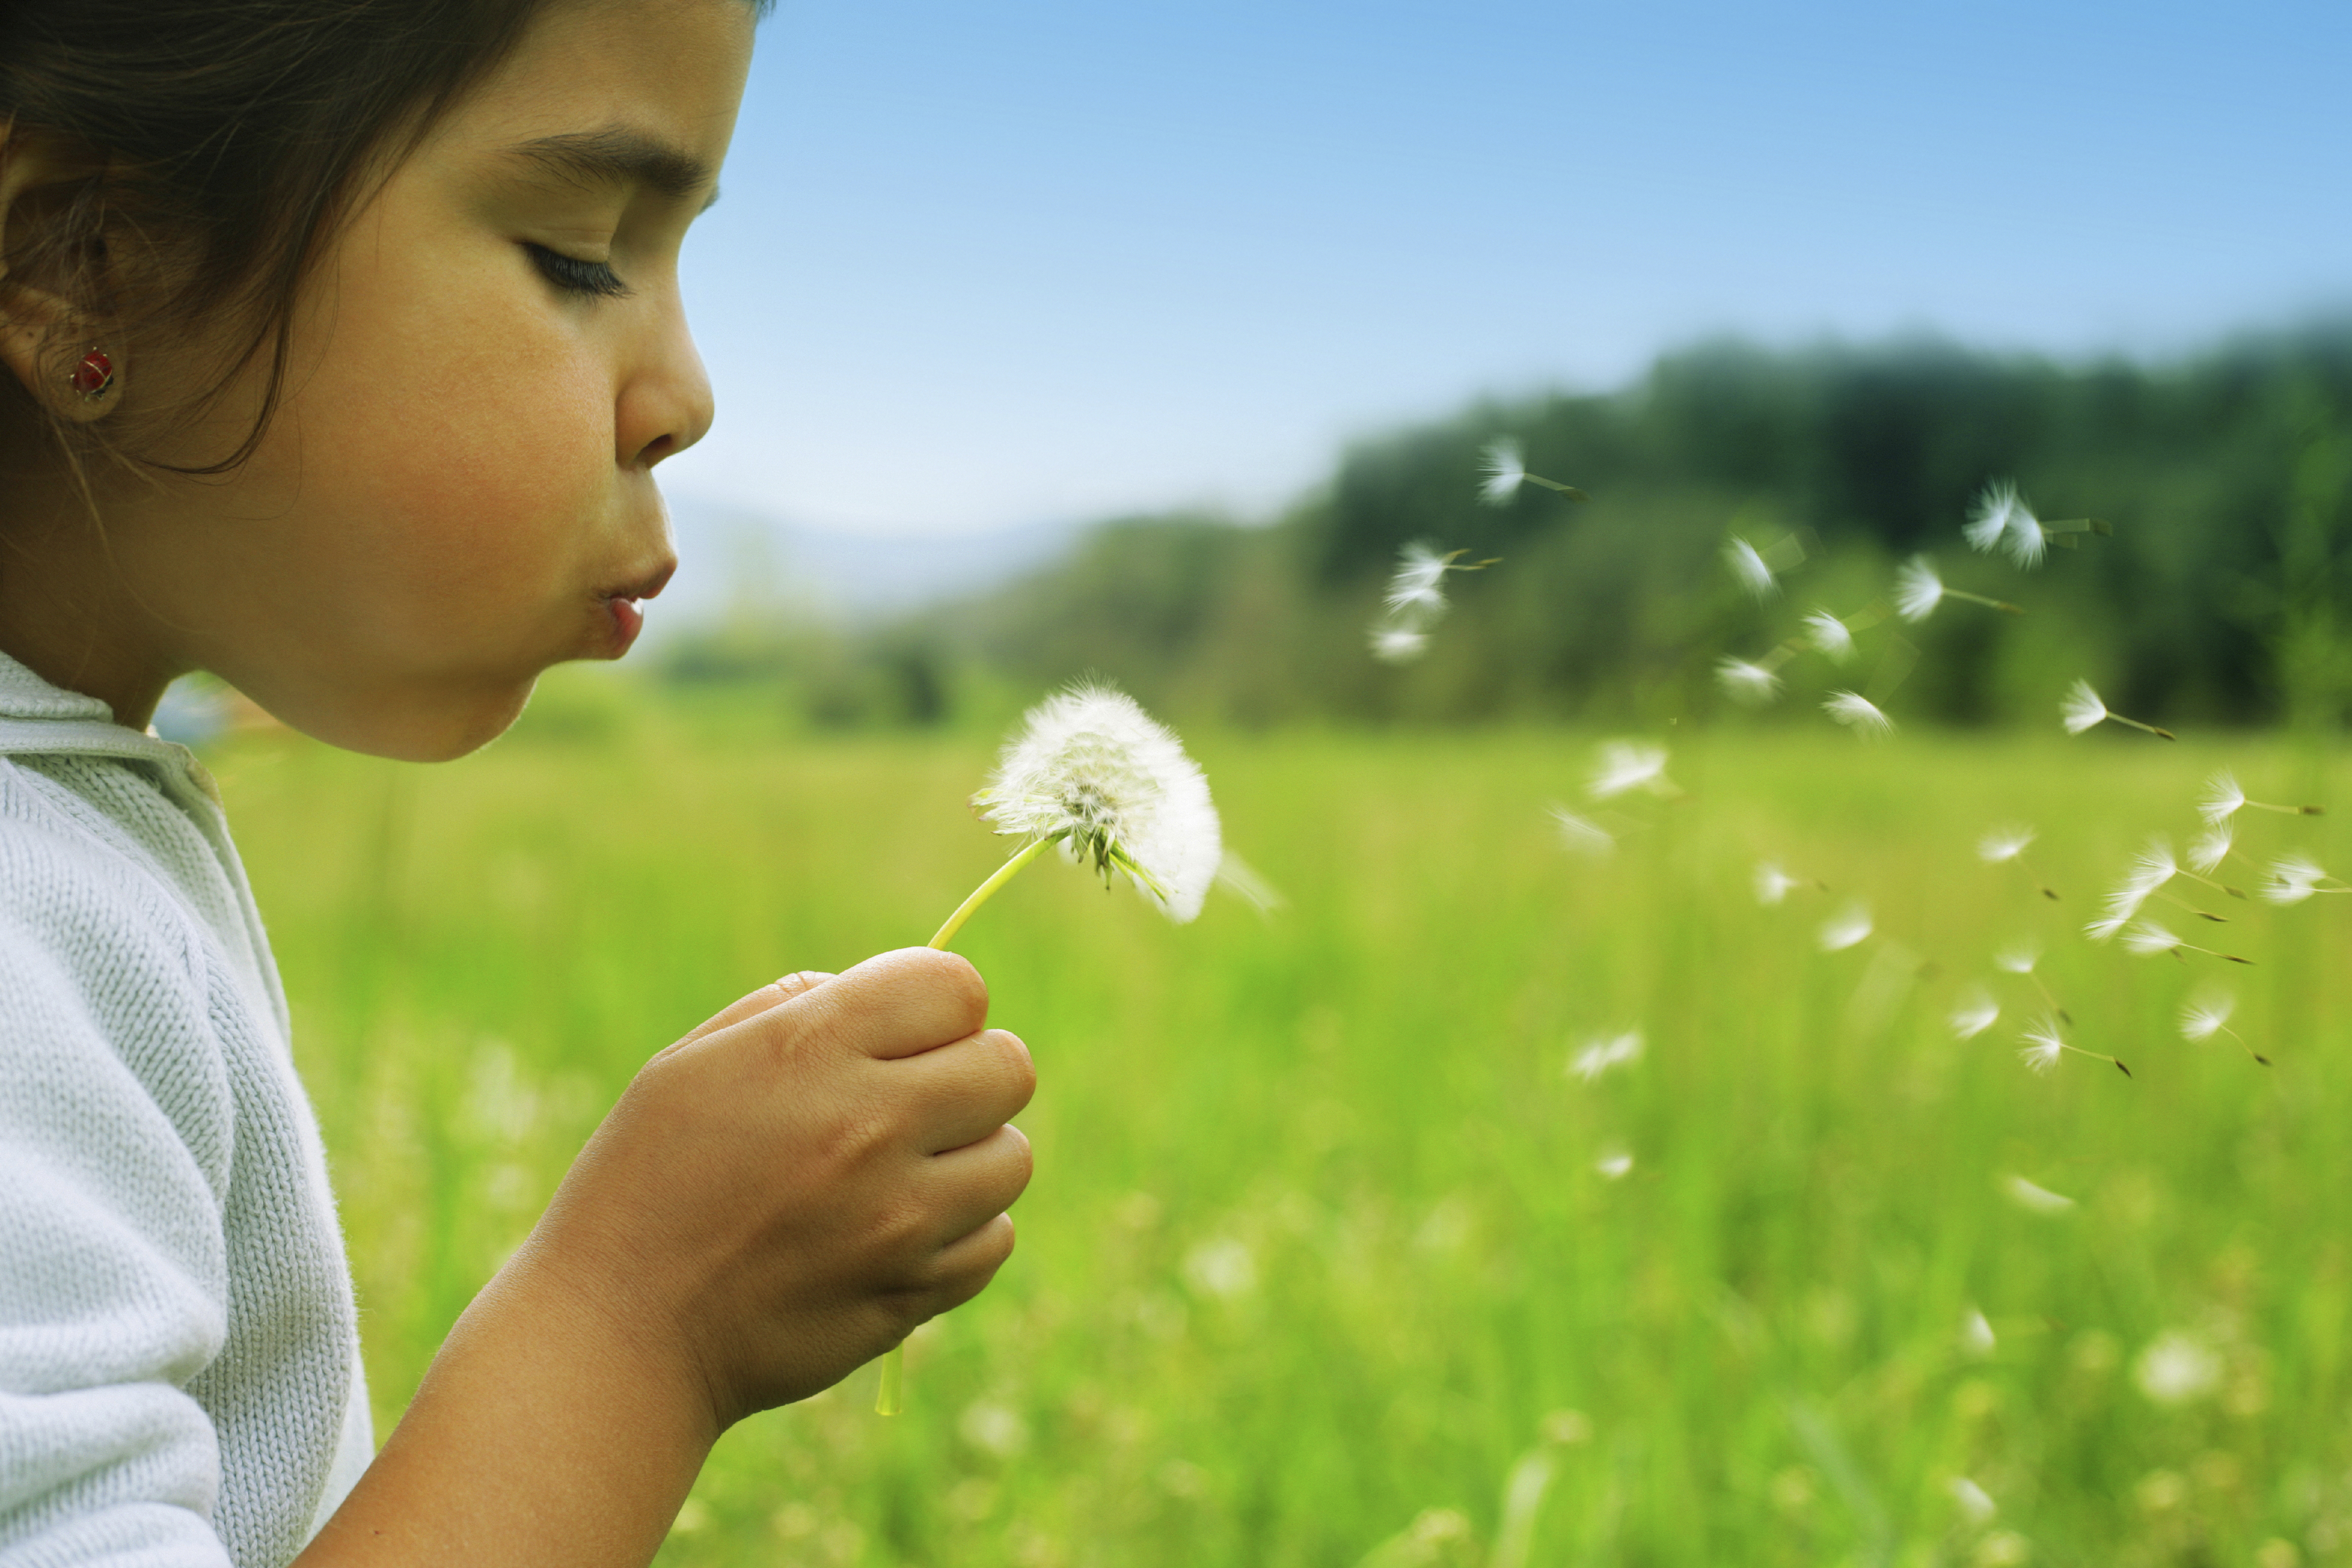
(1330, 1258)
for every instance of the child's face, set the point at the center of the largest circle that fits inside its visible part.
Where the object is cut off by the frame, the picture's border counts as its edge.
(457, 491)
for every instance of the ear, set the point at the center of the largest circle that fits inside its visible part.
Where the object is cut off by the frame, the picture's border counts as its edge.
(43, 338)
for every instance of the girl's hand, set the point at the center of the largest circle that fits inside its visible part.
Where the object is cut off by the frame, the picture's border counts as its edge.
(783, 1195)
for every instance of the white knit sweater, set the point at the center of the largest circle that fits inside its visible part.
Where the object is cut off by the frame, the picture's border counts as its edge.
(178, 1361)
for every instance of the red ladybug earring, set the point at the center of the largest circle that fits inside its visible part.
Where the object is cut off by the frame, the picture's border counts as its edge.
(94, 376)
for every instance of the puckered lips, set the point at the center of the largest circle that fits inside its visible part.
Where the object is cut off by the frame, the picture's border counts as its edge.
(620, 603)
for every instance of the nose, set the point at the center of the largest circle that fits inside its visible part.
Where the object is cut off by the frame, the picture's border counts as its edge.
(666, 406)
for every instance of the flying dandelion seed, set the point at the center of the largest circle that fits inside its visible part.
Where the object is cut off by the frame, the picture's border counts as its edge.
(1397, 644)
(1976, 1012)
(1504, 469)
(2207, 1015)
(2223, 799)
(1858, 713)
(1629, 765)
(1773, 885)
(1850, 927)
(1417, 588)
(1976, 1334)
(2002, 520)
(1581, 833)
(1999, 845)
(2043, 1046)
(2036, 1199)
(1830, 635)
(1748, 568)
(2294, 877)
(2146, 938)
(2211, 847)
(2017, 958)
(1918, 591)
(1753, 684)
(2081, 709)
(1975, 1504)
(1613, 1165)
(1598, 1056)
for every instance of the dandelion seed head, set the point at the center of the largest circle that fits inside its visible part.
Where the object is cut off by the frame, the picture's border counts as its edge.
(2222, 798)
(2017, 958)
(1977, 1013)
(1399, 645)
(1597, 1057)
(1581, 833)
(2004, 844)
(1773, 885)
(2146, 938)
(1504, 471)
(1628, 765)
(1747, 682)
(2210, 847)
(2294, 877)
(2081, 708)
(2027, 1195)
(2000, 519)
(1850, 927)
(2042, 1047)
(1917, 589)
(1830, 635)
(2204, 1016)
(1090, 770)
(1750, 568)
(1858, 713)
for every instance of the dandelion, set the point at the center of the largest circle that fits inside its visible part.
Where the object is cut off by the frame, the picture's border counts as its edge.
(2210, 847)
(2146, 937)
(1629, 765)
(2006, 846)
(1613, 1165)
(1976, 1012)
(1850, 927)
(1748, 566)
(2081, 709)
(1754, 684)
(1831, 635)
(1504, 470)
(2294, 877)
(2019, 959)
(1773, 885)
(2223, 799)
(1918, 591)
(1581, 833)
(1397, 644)
(1858, 713)
(2207, 1015)
(2027, 1195)
(2044, 1046)
(2002, 520)
(1417, 590)
(1598, 1056)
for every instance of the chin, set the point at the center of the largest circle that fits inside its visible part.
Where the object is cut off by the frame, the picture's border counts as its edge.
(435, 726)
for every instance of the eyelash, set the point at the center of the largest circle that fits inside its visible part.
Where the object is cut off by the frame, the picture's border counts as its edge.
(575, 276)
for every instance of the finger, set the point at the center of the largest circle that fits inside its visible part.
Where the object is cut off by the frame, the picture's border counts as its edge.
(960, 1093)
(901, 1004)
(964, 1267)
(774, 994)
(961, 1188)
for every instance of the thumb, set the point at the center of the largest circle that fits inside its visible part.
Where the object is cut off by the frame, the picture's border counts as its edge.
(773, 995)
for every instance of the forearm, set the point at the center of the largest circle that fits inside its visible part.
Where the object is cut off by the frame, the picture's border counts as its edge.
(546, 1433)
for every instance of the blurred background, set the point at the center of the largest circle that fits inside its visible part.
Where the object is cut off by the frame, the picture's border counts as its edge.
(1668, 1191)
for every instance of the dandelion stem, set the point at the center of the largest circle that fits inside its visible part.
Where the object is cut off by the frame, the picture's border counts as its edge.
(982, 894)
(1571, 491)
(2158, 731)
(2003, 605)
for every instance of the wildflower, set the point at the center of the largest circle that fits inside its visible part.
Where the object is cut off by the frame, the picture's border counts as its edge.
(1581, 833)
(2002, 520)
(1858, 713)
(1598, 1056)
(2081, 709)
(1919, 590)
(2025, 1194)
(2294, 877)
(2223, 799)
(1830, 634)
(1505, 470)
(2207, 1015)
(1397, 644)
(2044, 1044)
(1748, 565)
(1628, 765)
(1092, 773)
(1849, 927)
(1754, 684)
(1977, 1013)
(1773, 885)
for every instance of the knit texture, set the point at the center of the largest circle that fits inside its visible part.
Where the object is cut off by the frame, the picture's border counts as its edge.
(179, 1360)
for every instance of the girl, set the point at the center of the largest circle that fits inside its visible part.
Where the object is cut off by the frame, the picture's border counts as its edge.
(343, 339)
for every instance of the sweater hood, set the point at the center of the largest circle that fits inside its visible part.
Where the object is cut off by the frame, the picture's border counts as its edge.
(38, 719)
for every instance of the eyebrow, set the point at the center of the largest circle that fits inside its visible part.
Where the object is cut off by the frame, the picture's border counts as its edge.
(620, 156)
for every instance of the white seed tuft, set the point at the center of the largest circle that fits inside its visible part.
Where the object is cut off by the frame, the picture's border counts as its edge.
(2081, 708)
(1747, 682)
(1504, 470)
(2004, 844)
(1976, 1012)
(1917, 589)
(1830, 635)
(1850, 927)
(1858, 713)
(1628, 765)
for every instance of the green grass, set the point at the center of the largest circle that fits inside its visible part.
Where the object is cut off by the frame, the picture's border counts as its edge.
(1317, 1245)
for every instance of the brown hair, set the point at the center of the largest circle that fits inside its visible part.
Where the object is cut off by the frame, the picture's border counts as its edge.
(227, 140)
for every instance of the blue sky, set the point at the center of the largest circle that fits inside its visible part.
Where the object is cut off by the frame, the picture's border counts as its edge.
(981, 267)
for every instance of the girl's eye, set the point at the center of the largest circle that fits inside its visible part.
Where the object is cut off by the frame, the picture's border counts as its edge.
(575, 276)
